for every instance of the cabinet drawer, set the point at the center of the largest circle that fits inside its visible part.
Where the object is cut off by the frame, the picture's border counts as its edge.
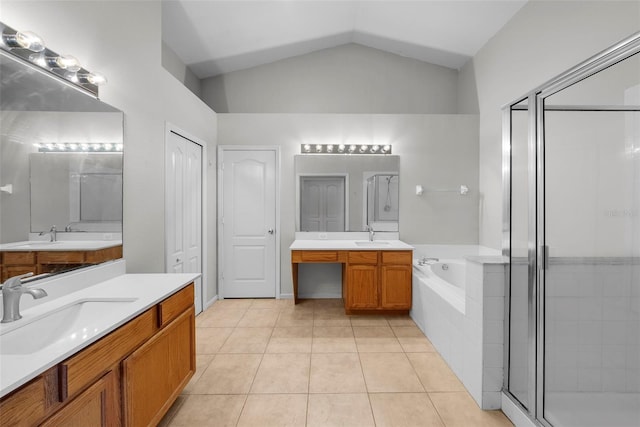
(51, 257)
(363, 257)
(102, 255)
(16, 258)
(397, 257)
(80, 370)
(319, 256)
(170, 308)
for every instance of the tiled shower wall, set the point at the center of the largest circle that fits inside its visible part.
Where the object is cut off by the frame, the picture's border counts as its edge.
(593, 325)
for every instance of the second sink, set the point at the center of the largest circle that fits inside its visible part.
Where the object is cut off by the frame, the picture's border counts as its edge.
(373, 244)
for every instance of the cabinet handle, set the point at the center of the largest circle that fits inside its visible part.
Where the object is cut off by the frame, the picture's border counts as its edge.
(63, 390)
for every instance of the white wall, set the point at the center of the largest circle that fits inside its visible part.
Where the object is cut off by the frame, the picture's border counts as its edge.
(437, 151)
(123, 41)
(544, 39)
(345, 79)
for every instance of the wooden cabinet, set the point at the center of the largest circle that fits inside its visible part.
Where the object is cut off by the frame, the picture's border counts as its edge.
(130, 377)
(97, 406)
(38, 262)
(156, 373)
(378, 281)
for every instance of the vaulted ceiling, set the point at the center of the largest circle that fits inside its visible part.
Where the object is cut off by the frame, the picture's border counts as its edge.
(214, 37)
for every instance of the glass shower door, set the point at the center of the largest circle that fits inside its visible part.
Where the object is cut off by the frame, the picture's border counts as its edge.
(591, 278)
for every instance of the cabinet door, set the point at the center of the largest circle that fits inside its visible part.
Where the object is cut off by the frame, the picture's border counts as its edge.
(96, 406)
(396, 286)
(155, 374)
(362, 286)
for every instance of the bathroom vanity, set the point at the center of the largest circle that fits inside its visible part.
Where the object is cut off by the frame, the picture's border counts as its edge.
(118, 353)
(46, 257)
(376, 276)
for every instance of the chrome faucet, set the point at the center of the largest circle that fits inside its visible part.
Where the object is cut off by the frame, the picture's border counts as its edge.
(53, 233)
(371, 233)
(12, 290)
(426, 260)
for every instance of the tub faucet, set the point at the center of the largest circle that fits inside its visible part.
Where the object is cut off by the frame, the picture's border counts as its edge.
(426, 260)
(53, 233)
(12, 290)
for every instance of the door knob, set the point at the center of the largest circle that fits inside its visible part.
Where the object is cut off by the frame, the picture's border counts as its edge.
(270, 231)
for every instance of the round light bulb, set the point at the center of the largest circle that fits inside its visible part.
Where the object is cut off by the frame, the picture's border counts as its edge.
(363, 148)
(307, 148)
(341, 148)
(25, 40)
(96, 79)
(68, 62)
(329, 148)
(386, 148)
(318, 148)
(375, 148)
(352, 148)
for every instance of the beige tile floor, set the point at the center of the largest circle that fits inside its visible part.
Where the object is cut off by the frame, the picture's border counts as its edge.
(271, 363)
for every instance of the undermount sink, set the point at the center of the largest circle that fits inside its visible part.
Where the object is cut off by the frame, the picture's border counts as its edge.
(34, 244)
(73, 322)
(376, 243)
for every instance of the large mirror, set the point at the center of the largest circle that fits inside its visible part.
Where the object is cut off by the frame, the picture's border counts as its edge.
(337, 192)
(60, 157)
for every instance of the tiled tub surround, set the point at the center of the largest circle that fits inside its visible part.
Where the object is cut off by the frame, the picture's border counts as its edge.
(468, 334)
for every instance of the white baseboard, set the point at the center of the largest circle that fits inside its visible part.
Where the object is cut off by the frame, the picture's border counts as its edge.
(210, 303)
(285, 296)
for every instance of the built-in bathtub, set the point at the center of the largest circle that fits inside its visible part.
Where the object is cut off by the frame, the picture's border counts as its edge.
(458, 302)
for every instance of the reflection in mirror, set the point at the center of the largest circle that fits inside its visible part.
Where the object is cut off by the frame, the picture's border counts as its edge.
(347, 192)
(79, 186)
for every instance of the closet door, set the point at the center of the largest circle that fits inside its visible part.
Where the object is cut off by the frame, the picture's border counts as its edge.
(183, 200)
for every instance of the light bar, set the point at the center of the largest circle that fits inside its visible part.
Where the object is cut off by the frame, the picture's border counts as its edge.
(79, 147)
(345, 149)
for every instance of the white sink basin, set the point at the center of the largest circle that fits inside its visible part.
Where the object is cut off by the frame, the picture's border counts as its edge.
(373, 244)
(35, 244)
(73, 322)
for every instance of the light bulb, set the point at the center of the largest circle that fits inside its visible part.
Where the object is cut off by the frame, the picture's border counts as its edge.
(386, 148)
(352, 148)
(318, 148)
(92, 78)
(25, 40)
(363, 148)
(119, 147)
(329, 148)
(375, 148)
(341, 148)
(66, 62)
(307, 148)
(107, 147)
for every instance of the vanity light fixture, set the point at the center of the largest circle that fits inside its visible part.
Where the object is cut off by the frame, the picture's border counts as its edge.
(30, 47)
(79, 147)
(344, 149)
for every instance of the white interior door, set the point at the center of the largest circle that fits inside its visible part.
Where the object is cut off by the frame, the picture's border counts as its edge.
(183, 193)
(322, 203)
(248, 255)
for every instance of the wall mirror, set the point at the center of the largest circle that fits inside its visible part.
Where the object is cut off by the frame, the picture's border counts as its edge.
(346, 192)
(60, 156)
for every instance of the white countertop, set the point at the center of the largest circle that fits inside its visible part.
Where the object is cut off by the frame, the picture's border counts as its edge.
(60, 245)
(349, 245)
(144, 289)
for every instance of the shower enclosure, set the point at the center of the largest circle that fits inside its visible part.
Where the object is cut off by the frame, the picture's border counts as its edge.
(571, 164)
(382, 202)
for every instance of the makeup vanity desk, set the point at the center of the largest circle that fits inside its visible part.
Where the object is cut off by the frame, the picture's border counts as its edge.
(376, 276)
